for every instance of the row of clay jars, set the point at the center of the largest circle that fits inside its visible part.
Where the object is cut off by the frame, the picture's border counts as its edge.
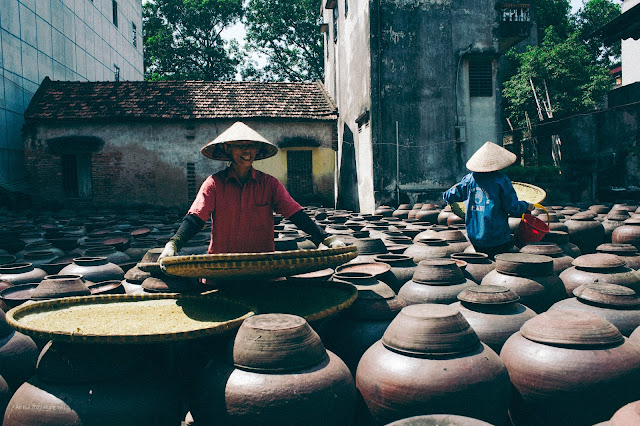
(601, 267)
(617, 304)
(570, 367)
(429, 361)
(530, 276)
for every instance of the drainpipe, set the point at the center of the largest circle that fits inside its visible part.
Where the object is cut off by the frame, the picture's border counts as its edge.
(397, 163)
(379, 82)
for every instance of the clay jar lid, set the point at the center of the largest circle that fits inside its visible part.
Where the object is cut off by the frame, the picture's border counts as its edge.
(149, 262)
(606, 294)
(376, 302)
(430, 330)
(598, 261)
(438, 272)
(547, 249)
(55, 286)
(370, 246)
(635, 221)
(452, 235)
(524, 264)
(277, 343)
(136, 275)
(618, 249)
(394, 259)
(168, 284)
(572, 329)
(488, 295)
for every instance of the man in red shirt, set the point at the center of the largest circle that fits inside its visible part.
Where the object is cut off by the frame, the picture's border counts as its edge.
(240, 200)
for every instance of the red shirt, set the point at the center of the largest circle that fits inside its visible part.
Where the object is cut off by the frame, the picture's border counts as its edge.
(242, 217)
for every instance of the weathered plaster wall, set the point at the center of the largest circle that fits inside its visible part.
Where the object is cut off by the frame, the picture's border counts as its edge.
(146, 163)
(421, 48)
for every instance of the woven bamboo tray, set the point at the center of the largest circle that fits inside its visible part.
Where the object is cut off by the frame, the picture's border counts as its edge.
(128, 319)
(311, 299)
(525, 192)
(256, 265)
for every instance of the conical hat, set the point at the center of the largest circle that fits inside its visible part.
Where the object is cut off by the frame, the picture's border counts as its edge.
(236, 133)
(490, 157)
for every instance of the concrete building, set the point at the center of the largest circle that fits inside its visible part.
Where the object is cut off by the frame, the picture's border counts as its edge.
(418, 87)
(626, 27)
(72, 40)
(131, 143)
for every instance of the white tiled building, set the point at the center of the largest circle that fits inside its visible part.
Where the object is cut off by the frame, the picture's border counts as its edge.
(73, 40)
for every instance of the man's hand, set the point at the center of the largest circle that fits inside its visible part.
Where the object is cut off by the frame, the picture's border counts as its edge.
(170, 249)
(331, 242)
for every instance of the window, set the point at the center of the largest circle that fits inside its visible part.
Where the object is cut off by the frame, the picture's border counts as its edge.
(513, 12)
(481, 77)
(114, 8)
(346, 8)
(299, 173)
(116, 72)
(135, 34)
(192, 190)
(70, 176)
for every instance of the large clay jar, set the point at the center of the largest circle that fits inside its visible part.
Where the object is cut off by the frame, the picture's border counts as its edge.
(430, 361)
(570, 367)
(610, 223)
(350, 333)
(435, 281)
(617, 304)
(429, 248)
(629, 233)
(278, 372)
(78, 384)
(428, 214)
(18, 356)
(21, 273)
(561, 239)
(601, 267)
(585, 232)
(531, 276)
(455, 238)
(94, 269)
(444, 214)
(56, 286)
(560, 260)
(402, 268)
(627, 415)
(478, 265)
(493, 312)
(439, 420)
(627, 252)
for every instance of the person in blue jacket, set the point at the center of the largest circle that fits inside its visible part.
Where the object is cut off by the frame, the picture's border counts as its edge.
(489, 199)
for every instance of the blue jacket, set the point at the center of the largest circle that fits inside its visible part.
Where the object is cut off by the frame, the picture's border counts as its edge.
(489, 200)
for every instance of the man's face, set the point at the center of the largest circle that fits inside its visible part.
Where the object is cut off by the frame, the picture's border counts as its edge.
(242, 153)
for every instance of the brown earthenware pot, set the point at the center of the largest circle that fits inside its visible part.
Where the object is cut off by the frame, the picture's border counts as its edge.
(629, 233)
(105, 384)
(617, 304)
(368, 248)
(277, 372)
(627, 252)
(610, 223)
(531, 276)
(435, 281)
(585, 232)
(21, 273)
(402, 267)
(94, 269)
(562, 240)
(430, 361)
(429, 248)
(478, 265)
(493, 312)
(570, 367)
(560, 260)
(18, 356)
(56, 286)
(601, 267)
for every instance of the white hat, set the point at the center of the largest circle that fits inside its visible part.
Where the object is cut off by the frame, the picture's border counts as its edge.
(236, 133)
(490, 157)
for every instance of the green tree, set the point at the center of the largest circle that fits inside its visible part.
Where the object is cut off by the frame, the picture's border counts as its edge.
(182, 39)
(553, 13)
(593, 15)
(287, 33)
(576, 83)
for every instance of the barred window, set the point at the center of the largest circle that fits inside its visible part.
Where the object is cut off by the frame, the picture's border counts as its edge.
(481, 77)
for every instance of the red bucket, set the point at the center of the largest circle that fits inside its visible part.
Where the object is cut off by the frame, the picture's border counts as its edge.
(531, 229)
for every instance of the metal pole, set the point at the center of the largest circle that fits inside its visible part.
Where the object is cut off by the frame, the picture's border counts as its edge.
(397, 164)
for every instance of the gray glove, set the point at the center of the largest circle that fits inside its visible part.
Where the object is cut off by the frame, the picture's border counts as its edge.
(331, 242)
(170, 249)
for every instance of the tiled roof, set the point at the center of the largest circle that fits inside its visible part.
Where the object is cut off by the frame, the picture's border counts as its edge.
(181, 100)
